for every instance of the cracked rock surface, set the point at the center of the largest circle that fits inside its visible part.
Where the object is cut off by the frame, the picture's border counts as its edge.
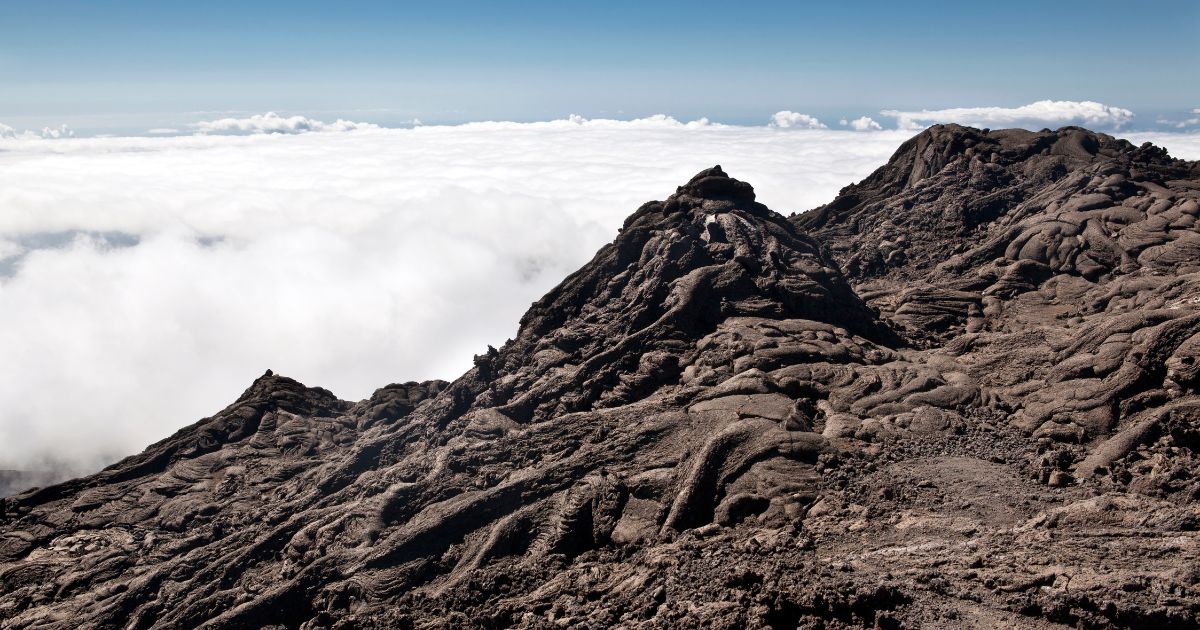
(962, 394)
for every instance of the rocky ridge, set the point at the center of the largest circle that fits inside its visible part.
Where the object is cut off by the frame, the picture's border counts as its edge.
(988, 418)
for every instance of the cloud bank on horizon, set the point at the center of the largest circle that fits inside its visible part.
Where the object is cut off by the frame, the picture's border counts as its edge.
(1053, 113)
(271, 122)
(47, 133)
(145, 281)
(1033, 115)
(1183, 124)
(1045, 113)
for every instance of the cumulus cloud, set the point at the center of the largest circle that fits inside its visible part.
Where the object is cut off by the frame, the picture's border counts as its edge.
(1038, 114)
(794, 120)
(162, 131)
(54, 133)
(271, 122)
(865, 123)
(47, 133)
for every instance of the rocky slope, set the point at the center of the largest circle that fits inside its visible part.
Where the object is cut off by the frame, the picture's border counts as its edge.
(989, 419)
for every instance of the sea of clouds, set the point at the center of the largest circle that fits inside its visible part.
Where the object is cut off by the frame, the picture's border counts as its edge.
(146, 281)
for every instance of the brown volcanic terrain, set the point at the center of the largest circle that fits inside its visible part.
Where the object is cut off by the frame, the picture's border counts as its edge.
(962, 394)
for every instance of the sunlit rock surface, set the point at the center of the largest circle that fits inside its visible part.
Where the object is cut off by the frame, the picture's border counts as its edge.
(962, 394)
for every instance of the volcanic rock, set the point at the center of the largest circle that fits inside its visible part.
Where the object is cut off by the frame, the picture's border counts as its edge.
(990, 419)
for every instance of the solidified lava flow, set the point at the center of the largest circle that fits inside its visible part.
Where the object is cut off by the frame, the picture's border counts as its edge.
(964, 393)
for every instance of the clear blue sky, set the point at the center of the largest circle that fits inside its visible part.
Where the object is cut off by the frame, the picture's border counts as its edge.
(450, 61)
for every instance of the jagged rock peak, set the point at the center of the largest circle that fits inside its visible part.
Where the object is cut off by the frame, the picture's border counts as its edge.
(711, 221)
(714, 184)
(951, 189)
(709, 192)
(677, 270)
(932, 149)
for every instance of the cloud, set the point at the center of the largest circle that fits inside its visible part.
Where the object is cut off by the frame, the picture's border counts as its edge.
(271, 122)
(861, 124)
(145, 281)
(1190, 122)
(54, 133)
(47, 133)
(657, 121)
(162, 131)
(1180, 145)
(10, 249)
(794, 120)
(1040, 113)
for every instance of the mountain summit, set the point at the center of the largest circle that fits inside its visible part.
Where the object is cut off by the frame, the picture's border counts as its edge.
(950, 187)
(990, 419)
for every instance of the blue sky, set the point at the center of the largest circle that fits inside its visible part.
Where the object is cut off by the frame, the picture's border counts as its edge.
(139, 63)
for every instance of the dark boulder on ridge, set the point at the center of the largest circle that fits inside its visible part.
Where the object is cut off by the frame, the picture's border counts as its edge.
(990, 419)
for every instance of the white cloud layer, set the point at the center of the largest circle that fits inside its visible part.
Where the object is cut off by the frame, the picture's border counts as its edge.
(794, 120)
(271, 122)
(144, 282)
(1040, 113)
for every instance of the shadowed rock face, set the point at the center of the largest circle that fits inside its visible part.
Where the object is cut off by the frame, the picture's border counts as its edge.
(706, 425)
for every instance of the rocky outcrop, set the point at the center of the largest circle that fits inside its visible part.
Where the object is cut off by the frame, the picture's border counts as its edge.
(709, 424)
(961, 197)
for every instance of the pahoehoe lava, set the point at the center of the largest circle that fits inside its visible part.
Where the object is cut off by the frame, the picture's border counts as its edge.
(964, 393)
